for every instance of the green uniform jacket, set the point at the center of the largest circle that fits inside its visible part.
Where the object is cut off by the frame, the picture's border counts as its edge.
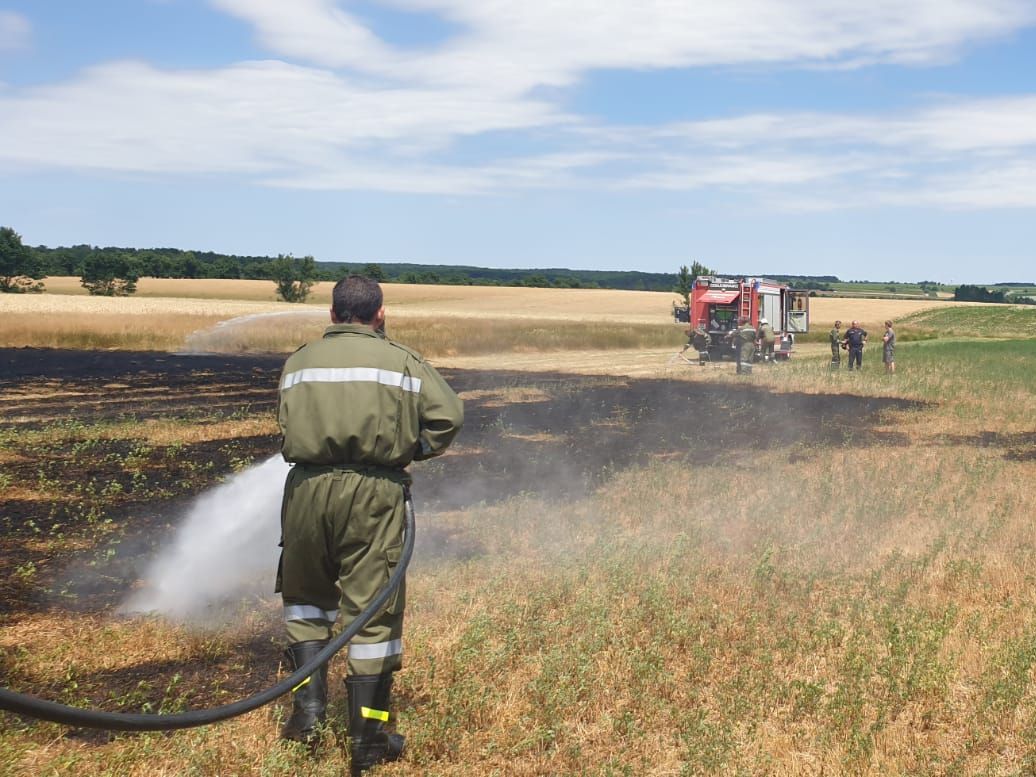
(746, 334)
(766, 334)
(355, 397)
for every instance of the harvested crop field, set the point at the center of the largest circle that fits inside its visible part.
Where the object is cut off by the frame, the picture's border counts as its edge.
(519, 426)
(795, 572)
(146, 431)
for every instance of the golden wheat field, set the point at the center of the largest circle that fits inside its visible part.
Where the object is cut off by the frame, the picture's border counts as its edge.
(472, 301)
(443, 322)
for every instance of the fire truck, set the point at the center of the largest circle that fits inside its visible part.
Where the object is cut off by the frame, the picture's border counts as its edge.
(717, 304)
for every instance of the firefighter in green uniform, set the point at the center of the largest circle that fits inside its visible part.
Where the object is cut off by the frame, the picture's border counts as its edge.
(355, 409)
(836, 345)
(744, 337)
(767, 338)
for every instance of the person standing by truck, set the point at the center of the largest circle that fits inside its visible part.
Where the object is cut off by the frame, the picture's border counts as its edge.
(888, 352)
(743, 338)
(836, 345)
(767, 339)
(855, 339)
(355, 410)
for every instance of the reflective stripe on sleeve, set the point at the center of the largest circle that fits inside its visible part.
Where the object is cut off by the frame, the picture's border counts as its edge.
(305, 612)
(351, 375)
(377, 650)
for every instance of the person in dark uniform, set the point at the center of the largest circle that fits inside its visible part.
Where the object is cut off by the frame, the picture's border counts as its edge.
(855, 339)
(355, 409)
(701, 340)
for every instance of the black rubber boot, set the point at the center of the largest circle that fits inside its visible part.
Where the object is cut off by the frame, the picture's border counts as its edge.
(369, 743)
(309, 699)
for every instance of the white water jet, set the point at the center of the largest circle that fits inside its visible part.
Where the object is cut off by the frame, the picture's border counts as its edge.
(226, 548)
(214, 338)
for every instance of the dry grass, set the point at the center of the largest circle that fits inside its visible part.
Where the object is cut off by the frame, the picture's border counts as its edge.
(866, 609)
(152, 431)
(670, 629)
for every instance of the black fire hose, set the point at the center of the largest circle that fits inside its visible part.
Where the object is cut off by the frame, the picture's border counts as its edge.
(31, 706)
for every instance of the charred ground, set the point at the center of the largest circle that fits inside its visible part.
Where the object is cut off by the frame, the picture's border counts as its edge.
(554, 435)
(551, 434)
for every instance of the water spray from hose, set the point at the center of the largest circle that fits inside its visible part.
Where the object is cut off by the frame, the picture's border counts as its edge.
(239, 333)
(24, 704)
(225, 548)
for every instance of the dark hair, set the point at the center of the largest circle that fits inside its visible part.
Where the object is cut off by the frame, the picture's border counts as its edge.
(356, 298)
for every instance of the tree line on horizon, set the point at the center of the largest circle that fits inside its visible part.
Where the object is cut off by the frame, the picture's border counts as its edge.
(114, 271)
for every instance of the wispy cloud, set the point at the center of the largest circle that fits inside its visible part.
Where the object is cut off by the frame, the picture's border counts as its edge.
(256, 117)
(511, 47)
(341, 109)
(15, 31)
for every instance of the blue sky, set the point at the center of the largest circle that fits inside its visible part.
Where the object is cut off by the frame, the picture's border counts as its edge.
(880, 140)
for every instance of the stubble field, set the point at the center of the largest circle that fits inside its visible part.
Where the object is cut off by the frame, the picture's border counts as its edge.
(626, 566)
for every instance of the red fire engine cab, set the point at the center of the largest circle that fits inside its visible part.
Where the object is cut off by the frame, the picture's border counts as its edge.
(717, 304)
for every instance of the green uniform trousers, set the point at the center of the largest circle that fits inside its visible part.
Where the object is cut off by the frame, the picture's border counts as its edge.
(342, 532)
(745, 354)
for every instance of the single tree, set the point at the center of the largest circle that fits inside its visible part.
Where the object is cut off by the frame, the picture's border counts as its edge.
(684, 284)
(109, 274)
(293, 276)
(685, 280)
(20, 270)
(374, 272)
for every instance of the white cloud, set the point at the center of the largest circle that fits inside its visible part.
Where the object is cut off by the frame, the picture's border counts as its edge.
(316, 31)
(512, 47)
(257, 117)
(952, 125)
(291, 126)
(15, 31)
(368, 116)
(749, 170)
(1011, 185)
(976, 153)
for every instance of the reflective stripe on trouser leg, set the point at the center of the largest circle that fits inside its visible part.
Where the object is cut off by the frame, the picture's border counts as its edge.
(388, 655)
(303, 629)
(378, 648)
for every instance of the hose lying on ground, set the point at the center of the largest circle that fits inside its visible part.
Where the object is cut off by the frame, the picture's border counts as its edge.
(31, 706)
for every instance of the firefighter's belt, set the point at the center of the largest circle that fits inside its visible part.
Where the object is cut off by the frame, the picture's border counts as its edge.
(397, 474)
